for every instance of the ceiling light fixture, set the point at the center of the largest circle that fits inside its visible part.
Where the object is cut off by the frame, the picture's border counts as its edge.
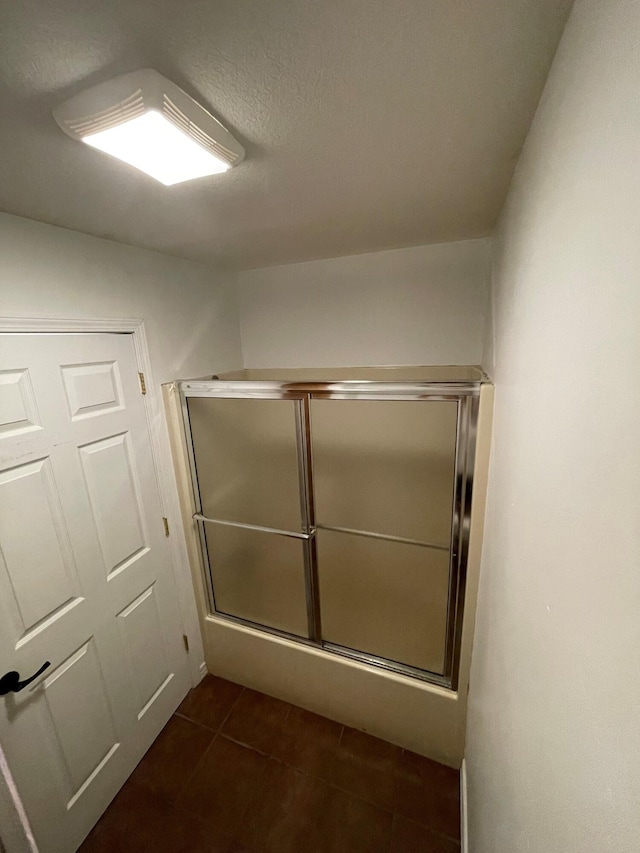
(147, 121)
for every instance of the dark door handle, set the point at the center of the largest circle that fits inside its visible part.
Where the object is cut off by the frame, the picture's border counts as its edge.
(10, 681)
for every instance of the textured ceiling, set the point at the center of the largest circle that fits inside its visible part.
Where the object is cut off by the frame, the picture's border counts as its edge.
(368, 124)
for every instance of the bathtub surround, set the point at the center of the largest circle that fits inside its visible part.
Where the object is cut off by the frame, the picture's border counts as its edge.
(425, 718)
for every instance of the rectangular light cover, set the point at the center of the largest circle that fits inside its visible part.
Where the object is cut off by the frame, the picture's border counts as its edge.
(156, 146)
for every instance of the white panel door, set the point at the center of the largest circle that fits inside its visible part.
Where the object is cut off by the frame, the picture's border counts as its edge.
(85, 579)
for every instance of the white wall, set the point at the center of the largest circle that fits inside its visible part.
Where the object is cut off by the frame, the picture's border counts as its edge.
(423, 305)
(189, 310)
(553, 741)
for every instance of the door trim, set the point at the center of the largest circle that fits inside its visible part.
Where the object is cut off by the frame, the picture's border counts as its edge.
(19, 840)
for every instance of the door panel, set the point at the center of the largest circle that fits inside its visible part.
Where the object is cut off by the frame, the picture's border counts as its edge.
(141, 626)
(92, 389)
(385, 469)
(40, 570)
(18, 409)
(86, 733)
(108, 471)
(85, 579)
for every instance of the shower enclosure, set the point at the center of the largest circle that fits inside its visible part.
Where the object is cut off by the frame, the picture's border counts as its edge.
(333, 507)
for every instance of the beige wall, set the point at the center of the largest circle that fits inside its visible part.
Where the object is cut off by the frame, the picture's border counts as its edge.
(423, 305)
(189, 310)
(554, 722)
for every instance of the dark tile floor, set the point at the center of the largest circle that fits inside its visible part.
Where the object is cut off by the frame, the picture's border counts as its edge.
(235, 771)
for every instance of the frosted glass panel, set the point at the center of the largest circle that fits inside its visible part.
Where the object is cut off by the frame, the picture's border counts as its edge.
(259, 577)
(385, 466)
(246, 460)
(385, 598)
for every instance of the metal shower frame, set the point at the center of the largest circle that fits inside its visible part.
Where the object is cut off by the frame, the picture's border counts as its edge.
(465, 394)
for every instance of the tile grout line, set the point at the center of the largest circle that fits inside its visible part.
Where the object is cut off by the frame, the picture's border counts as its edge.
(213, 739)
(195, 722)
(330, 784)
(271, 757)
(266, 755)
(233, 705)
(395, 815)
(251, 748)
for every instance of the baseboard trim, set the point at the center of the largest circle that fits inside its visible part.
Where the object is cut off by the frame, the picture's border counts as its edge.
(464, 826)
(203, 670)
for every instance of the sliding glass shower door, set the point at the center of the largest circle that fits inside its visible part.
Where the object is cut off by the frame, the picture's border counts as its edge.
(252, 508)
(384, 488)
(337, 514)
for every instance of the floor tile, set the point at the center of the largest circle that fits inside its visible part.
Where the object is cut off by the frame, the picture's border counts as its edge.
(430, 809)
(210, 702)
(282, 818)
(428, 792)
(173, 757)
(366, 766)
(410, 837)
(180, 832)
(419, 768)
(308, 742)
(240, 772)
(257, 720)
(128, 824)
(226, 779)
(347, 824)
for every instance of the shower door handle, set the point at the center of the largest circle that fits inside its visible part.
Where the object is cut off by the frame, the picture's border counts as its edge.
(197, 516)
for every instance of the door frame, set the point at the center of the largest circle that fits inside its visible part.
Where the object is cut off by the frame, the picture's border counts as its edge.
(12, 817)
